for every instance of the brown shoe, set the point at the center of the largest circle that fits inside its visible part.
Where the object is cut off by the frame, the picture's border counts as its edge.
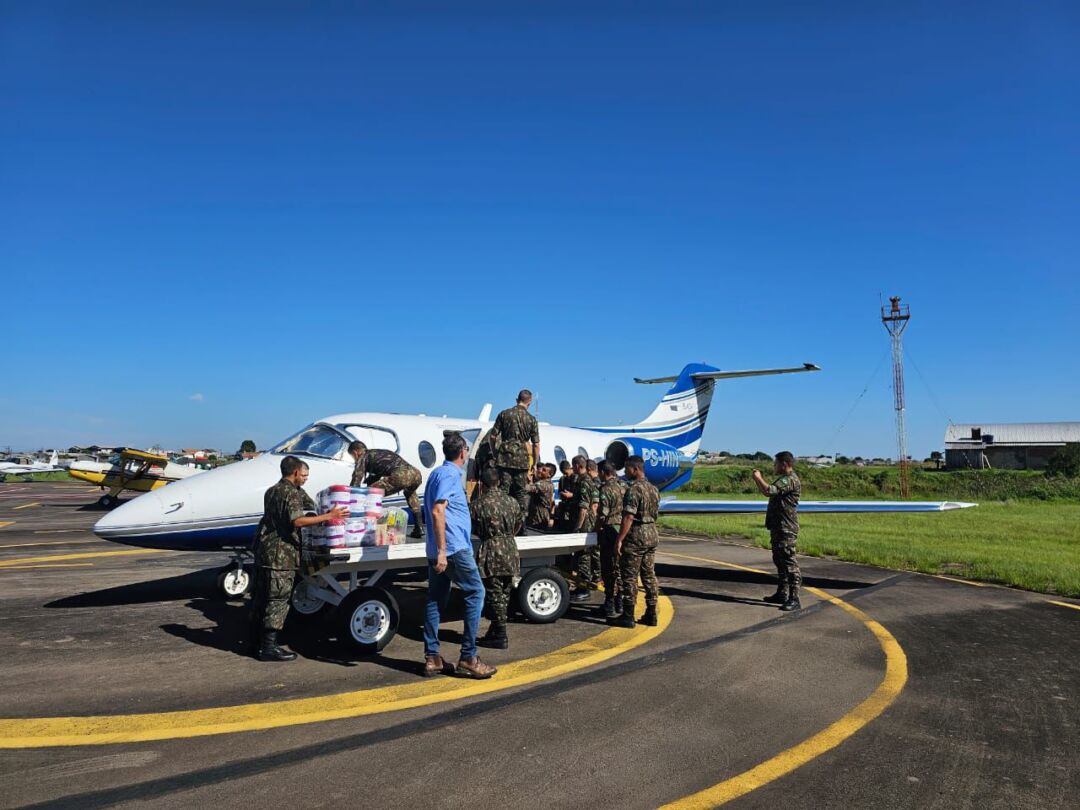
(474, 668)
(434, 665)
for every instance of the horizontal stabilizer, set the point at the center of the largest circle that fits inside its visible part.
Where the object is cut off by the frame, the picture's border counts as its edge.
(671, 506)
(730, 375)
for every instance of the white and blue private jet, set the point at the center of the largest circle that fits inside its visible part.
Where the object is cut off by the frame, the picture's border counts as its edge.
(220, 509)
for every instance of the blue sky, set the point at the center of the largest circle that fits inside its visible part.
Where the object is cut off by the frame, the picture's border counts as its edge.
(218, 225)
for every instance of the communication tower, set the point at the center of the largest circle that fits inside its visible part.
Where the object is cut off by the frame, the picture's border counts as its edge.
(895, 319)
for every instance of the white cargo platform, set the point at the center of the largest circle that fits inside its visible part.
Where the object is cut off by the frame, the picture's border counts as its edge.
(366, 613)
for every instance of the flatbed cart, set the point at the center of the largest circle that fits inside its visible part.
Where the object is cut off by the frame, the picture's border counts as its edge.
(366, 615)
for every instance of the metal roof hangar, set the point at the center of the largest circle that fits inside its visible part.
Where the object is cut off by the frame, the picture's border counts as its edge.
(1020, 446)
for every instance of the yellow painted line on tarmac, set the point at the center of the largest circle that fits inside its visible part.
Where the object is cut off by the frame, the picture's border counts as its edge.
(961, 581)
(54, 565)
(58, 531)
(714, 562)
(28, 505)
(19, 561)
(785, 762)
(52, 543)
(1063, 604)
(4, 523)
(40, 732)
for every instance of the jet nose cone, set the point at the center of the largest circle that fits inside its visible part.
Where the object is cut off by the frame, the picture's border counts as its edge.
(146, 510)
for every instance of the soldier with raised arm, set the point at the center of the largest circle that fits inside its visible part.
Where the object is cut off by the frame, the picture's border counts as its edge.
(782, 521)
(277, 555)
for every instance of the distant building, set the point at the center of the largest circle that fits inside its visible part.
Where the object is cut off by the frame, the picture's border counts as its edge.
(1021, 446)
(818, 461)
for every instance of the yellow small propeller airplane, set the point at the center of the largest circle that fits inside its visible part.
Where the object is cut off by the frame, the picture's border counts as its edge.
(133, 470)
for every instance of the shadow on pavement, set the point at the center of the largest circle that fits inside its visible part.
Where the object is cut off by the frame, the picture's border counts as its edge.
(716, 574)
(169, 589)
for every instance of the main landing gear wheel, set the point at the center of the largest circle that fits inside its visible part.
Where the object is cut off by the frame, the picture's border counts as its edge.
(368, 619)
(543, 596)
(234, 582)
(108, 501)
(307, 606)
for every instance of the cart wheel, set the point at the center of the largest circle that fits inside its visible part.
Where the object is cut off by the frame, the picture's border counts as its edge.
(234, 582)
(368, 618)
(306, 605)
(543, 596)
(107, 501)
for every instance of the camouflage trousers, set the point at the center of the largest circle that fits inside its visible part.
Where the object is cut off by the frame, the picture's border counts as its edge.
(587, 569)
(638, 559)
(514, 483)
(783, 557)
(270, 605)
(497, 592)
(609, 561)
(405, 480)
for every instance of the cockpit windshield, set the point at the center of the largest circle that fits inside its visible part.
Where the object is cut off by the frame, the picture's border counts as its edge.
(314, 440)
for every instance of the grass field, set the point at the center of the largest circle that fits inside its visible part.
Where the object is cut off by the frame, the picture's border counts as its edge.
(60, 475)
(1031, 544)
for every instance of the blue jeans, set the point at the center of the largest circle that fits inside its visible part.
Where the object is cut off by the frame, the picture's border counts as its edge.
(460, 570)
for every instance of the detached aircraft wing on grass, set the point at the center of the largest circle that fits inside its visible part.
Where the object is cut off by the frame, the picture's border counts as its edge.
(675, 506)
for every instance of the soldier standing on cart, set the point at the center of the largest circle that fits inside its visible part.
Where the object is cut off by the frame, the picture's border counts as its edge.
(582, 517)
(514, 431)
(496, 521)
(277, 554)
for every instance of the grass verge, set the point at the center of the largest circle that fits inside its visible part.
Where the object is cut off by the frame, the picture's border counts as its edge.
(1033, 545)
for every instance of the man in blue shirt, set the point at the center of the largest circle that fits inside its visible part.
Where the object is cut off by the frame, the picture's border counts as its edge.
(451, 561)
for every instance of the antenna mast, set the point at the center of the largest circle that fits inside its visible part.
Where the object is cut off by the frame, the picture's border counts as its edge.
(895, 320)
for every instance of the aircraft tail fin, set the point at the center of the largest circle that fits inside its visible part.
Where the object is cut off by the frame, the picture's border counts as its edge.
(679, 417)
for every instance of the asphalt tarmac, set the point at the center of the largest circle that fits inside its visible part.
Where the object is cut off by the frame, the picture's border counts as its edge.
(807, 709)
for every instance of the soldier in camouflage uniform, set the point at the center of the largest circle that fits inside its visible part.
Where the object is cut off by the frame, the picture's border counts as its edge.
(636, 545)
(566, 495)
(608, 521)
(582, 514)
(515, 429)
(782, 521)
(391, 473)
(541, 498)
(277, 554)
(496, 521)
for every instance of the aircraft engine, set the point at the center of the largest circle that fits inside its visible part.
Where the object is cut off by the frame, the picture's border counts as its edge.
(664, 464)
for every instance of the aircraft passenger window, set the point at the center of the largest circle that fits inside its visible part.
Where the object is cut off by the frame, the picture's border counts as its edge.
(316, 440)
(583, 452)
(427, 454)
(560, 455)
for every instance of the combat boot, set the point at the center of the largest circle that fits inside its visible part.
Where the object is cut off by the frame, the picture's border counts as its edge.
(779, 597)
(625, 620)
(792, 602)
(602, 611)
(649, 618)
(495, 637)
(580, 596)
(417, 532)
(270, 651)
(613, 608)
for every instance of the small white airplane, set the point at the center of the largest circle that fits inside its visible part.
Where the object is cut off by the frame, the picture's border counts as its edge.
(220, 509)
(26, 465)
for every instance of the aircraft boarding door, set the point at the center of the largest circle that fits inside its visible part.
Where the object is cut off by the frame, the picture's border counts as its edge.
(375, 438)
(476, 440)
